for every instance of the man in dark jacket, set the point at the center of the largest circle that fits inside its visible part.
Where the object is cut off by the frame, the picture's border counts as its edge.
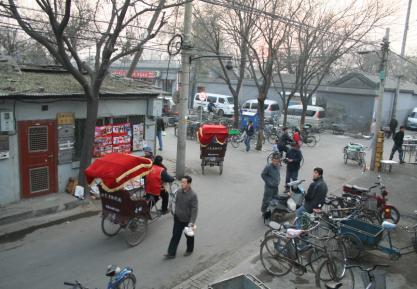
(284, 140)
(185, 214)
(293, 159)
(271, 177)
(316, 194)
(398, 144)
(160, 127)
(392, 127)
(250, 131)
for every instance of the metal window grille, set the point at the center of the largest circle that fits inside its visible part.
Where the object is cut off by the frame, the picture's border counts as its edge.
(38, 139)
(39, 179)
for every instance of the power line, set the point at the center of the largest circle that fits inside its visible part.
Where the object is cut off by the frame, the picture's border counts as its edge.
(80, 18)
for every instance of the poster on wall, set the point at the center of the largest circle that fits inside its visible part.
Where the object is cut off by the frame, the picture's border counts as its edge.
(137, 142)
(112, 138)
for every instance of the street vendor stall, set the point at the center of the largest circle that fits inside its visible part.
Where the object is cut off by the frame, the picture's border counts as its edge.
(213, 143)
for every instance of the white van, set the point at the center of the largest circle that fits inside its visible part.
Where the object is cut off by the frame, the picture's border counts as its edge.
(223, 103)
(315, 115)
(271, 107)
(411, 122)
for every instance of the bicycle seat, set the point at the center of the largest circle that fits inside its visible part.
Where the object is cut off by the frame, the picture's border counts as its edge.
(388, 225)
(334, 285)
(274, 225)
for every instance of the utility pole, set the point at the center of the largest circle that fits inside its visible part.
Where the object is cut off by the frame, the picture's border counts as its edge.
(400, 73)
(183, 98)
(378, 115)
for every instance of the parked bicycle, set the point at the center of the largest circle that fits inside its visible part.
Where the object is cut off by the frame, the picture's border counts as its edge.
(371, 278)
(119, 279)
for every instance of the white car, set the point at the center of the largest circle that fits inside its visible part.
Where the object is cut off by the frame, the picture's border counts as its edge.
(223, 103)
(271, 107)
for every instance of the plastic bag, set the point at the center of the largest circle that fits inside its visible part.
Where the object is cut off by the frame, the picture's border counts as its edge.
(291, 204)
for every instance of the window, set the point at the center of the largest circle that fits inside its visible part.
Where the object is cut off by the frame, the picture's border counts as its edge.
(254, 105)
(221, 100)
(246, 105)
(274, 107)
(322, 114)
(212, 99)
(293, 111)
(413, 115)
(310, 113)
(230, 100)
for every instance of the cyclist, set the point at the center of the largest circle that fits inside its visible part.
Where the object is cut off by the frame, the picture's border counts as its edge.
(250, 131)
(211, 106)
(284, 141)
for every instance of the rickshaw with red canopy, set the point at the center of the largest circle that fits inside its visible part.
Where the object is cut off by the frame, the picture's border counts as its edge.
(119, 178)
(213, 143)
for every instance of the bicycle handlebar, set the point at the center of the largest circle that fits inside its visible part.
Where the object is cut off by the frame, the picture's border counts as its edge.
(369, 269)
(70, 284)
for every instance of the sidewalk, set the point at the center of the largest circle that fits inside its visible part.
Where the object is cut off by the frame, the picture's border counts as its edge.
(20, 218)
(401, 184)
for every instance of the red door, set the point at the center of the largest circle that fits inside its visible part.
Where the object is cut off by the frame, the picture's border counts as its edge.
(38, 161)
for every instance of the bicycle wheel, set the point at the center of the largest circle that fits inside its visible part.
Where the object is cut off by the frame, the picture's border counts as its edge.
(327, 273)
(310, 141)
(335, 248)
(108, 225)
(275, 255)
(235, 141)
(136, 230)
(127, 283)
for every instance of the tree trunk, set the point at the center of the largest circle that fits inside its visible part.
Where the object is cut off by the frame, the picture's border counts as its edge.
(235, 111)
(285, 112)
(88, 139)
(261, 123)
(303, 116)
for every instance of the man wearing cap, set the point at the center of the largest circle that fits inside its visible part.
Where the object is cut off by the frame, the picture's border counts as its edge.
(293, 159)
(271, 177)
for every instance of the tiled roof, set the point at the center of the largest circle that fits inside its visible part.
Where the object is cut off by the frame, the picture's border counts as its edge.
(48, 80)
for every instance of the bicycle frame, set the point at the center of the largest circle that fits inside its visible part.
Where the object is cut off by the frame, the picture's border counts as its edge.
(395, 252)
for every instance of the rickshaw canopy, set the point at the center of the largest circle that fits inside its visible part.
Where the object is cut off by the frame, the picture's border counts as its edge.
(209, 133)
(116, 169)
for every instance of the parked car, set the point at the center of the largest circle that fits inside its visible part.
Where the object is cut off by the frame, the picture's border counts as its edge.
(271, 107)
(223, 103)
(411, 122)
(315, 115)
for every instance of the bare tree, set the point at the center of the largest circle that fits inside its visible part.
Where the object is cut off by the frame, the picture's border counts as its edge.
(228, 31)
(109, 42)
(271, 34)
(322, 35)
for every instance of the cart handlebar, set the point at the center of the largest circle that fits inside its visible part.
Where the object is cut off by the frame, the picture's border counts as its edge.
(369, 269)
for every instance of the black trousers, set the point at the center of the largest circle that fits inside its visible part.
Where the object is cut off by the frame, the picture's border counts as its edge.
(176, 237)
(290, 176)
(165, 198)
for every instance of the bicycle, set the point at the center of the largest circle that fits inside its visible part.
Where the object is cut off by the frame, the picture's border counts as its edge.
(119, 279)
(236, 140)
(282, 251)
(370, 279)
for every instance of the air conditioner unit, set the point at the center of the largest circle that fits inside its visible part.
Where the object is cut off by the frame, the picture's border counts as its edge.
(6, 121)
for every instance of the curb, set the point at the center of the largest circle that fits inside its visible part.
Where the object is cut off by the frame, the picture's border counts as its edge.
(67, 212)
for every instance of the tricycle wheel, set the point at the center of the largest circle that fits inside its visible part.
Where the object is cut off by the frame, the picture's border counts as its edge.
(345, 157)
(353, 246)
(221, 167)
(108, 226)
(136, 230)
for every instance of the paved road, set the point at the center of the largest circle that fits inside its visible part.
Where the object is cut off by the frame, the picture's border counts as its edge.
(229, 218)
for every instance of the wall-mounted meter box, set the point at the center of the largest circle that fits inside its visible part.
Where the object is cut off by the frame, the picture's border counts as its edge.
(6, 121)
(155, 107)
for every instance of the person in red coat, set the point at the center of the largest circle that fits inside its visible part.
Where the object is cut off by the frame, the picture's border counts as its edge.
(154, 183)
(296, 137)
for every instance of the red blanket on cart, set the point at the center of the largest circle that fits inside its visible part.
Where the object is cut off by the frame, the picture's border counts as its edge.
(209, 133)
(116, 169)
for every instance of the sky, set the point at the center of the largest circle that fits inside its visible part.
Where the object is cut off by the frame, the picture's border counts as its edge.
(396, 25)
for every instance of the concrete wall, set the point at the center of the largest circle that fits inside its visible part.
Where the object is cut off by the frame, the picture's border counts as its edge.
(9, 168)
